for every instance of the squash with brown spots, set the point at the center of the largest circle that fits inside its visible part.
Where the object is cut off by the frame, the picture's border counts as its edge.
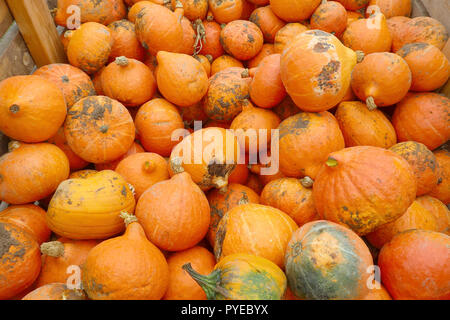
(442, 190)
(225, 11)
(136, 8)
(125, 41)
(294, 10)
(267, 21)
(286, 35)
(391, 8)
(242, 39)
(439, 210)
(55, 291)
(331, 17)
(193, 9)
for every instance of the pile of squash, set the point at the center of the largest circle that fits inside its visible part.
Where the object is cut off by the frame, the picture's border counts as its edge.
(102, 202)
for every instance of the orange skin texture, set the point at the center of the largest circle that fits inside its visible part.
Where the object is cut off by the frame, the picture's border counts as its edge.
(74, 83)
(189, 36)
(254, 229)
(55, 291)
(222, 202)
(291, 197)
(103, 12)
(430, 68)
(75, 162)
(286, 35)
(136, 8)
(99, 129)
(439, 210)
(362, 35)
(330, 17)
(135, 148)
(90, 47)
(193, 9)
(225, 11)
(54, 268)
(159, 29)
(265, 179)
(247, 8)
(206, 64)
(97, 81)
(398, 27)
(353, 4)
(166, 207)
(442, 190)
(371, 186)
(353, 16)
(125, 41)
(220, 151)
(412, 256)
(268, 22)
(416, 217)
(384, 76)
(20, 260)
(305, 132)
(193, 113)
(227, 94)
(421, 29)
(181, 285)
(316, 70)
(422, 161)
(132, 84)
(109, 275)
(28, 217)
(392, 8)
(378, 294)
(267, 89)
(155, 122)
(211, 43)
(254, 183)
(294, 10)
(423, 117)
(142, 170)
(242, 39)
(82, 174)
(363, 127)
(239, 174)
(181, 79)
(32, 172)
(286, 108)
(31, 108)
(224, 62)
(65, 38)
(266, 50)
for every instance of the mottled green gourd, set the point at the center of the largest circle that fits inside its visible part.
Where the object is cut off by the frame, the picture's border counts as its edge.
(242, 277)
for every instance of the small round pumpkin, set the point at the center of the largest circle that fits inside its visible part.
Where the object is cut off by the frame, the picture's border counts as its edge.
(247, 8)
(206, 63)
(442, 190)
(135, 148)
(286, 35)
(108, 274)
(294, 10)
(353, 16)
(391, 8)
(55, 291)
(174, 213)
(354, 5)
(423, 117)
(32, 108)
(31, 172)
(239, 174)
(136, 8)
(224, 62)
(408, 257)
(363, 127)
(211, 41)
(266, 50)
(267, 21)
(398, 26)
(330, 17)
(439, 210)
(75, 162)
(225, 11)
(193, 9)
(254, 229)
(325, 261)
(189, 37)
(242, 39)
(125, 41)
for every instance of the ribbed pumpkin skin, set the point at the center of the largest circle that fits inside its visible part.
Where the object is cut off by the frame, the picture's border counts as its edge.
(442, 191)
(325, 261)
(20, 260)
(89, 208)
(422, 161)
(286, 35)
(439, 210)
(125, 41)
(363, 127)
(367, 188)
(408, 257)
(254, 229)
(302, 133)
(55, 291)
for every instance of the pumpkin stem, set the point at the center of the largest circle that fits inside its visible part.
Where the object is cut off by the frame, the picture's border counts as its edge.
(149, 166)
(128, 218)
(53, 12)
(132, 189)
(209, 17)
(122, 61)
(219, 182)
(53, 249)
(243, 200)
(14, 108)
(178, 4)
(13, 145)
(104, 128)
(209, 57)
(359, 56)
(245, 73)
(176, 165)
(201, 33)
(331, 162)
(68, 33)
(307, 182)
(371, 103)
(208, 283)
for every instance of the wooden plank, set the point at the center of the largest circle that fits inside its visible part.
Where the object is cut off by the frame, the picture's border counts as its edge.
(440, 10)
(6, 18)
(38, 30)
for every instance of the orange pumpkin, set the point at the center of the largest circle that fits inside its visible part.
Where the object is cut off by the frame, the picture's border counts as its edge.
(193, 9)
(166, 208)
(28, 217)
(74, 83)
(286, 108)
(97, 80)
(381, 79)
(398, 26)
(378, 294)
(136, 8)
(193, 113)
(211, 41)
(82, 174)
(181, 285)
(242, 39)
(294, 10)
(363, 127)
(353, 16)
(65, 38)
(206, 63)
(125, 41)
(254, 183)
(266, 50)
(239, 174)
(60, 141)
(189, 37)
(90, 47)
(286, 35)
(99, 129)
(353, 4)
(247, 8)
(330, 17)
(31, 172)
(363, 188)
(267, 21)
(439, 210)
(31, 108)
(391, 8)
(302, 133)
(430, 68)
(225, 11)
(156, 121)
(135, 148)
(423, 117)
(224, 62)
(55, 291)
(442, 190)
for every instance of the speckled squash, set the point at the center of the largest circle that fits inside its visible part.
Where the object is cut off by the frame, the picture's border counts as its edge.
(325, 261)
(286, 108)
(242, 39)
(391, 8)
(82, 174)
(267, 21)
(442, 190)
(439, 210)
(286, 35)
(125, 41)
(225, 11)
(224, 62)
(193, 9)
(294, 10)
(55, 291)
(331, 17)
(136, 8)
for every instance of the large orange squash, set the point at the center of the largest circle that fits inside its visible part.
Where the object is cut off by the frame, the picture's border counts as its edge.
(267, 21)
(408, 257)
(442, 190)
(174, 213)
(294, 10)
(363, 188)
(439, 210)
(125, 41)
(316, 70)
(242, 39)
(31, 108)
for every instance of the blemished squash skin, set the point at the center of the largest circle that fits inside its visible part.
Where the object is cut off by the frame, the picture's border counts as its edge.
(225, 11)
(89, 208)
(125, 41)
(442, 190)
(242, 277)
(392, 8)
(439, 210)
(267, 21)
(55, 291)
(331, 17)
(193, 9)
(354, 4)
(242, 39)
(327, 261)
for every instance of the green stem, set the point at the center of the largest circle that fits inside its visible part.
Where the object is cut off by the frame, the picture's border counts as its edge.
(208, 283)
(331, 162)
